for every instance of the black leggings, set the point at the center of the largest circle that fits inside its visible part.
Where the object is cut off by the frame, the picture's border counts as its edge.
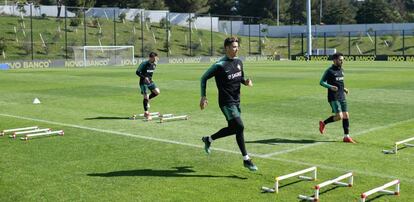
(235, 126)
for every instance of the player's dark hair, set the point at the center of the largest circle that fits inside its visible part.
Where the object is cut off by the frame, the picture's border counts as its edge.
(153, 54)
(337, 55)
(228, 41)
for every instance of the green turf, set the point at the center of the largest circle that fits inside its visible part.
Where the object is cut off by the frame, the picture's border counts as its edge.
(104, 156)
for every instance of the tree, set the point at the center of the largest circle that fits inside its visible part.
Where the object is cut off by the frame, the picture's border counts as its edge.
(188, 6)
(377, 11)
(221, 7)
(79, 3)
(297, 12)
(338, 12)
(152, 4)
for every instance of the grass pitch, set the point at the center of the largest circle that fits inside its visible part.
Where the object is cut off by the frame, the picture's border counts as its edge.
(105, 156)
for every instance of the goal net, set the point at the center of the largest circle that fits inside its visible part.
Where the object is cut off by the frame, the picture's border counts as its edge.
(103, 55)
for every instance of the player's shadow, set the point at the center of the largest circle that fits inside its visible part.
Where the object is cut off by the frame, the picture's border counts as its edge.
(275, 141)
(107, 118)
(182, 171)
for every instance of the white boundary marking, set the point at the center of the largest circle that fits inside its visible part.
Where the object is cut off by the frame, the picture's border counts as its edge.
(373, 174)
(319, 143)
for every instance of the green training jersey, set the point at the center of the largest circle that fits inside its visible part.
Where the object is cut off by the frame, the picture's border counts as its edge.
(145, 69)
(228, 74)
(334, 76)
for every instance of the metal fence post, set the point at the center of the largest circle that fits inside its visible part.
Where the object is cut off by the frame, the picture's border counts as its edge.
(403, 42)
(142, 33)
(289, 46)
(167, 27)
(189, 31)
(375, 42)
(324, 43)
(114, 27)
(302, 35)
(349, 43)
(31, 30)
(250, 22)
(260, 39)
(211, 35)
(66, 33)
(84, 26)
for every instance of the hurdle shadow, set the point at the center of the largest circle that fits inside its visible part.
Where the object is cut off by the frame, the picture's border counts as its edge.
(107, 118)
(275, 141)
(328, 190)
(182, 171)
(290, 183)
(377, 197)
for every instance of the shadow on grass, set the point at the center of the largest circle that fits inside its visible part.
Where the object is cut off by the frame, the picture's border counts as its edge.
(378, 196)
(287, 141)
(291, 183)
(328, 190)
(107, 117)
(183, 171)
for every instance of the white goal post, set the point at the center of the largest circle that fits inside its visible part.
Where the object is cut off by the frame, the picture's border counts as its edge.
(103, 55)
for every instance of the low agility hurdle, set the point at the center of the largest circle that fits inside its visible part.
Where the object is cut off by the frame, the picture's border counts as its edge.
(383, 189)
(160, 116)
(335, 181)
(3, 132)
(29, 136)
(152, 114)
(29, 131)
(402, 142)
(298, 173)
(183, 117)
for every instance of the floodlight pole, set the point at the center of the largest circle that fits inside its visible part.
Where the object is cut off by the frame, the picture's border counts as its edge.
(309, 28)
(278, 12)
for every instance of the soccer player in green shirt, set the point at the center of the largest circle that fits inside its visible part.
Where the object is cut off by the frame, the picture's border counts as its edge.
(144, 72)
(228, 73)
(333, 80)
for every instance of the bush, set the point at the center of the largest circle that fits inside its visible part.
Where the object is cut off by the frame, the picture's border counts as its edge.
(137, 17)
(3, 45)
(74, 22)
(164, 23)
(122, 17)
(148, 47)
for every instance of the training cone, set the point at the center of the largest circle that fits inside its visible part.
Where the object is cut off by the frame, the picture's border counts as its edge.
(36, 101)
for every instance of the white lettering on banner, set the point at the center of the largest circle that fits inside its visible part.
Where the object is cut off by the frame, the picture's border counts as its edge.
(409, 58)
(214, 59)
(128, 62)
(396, 58)
(15, 65)
(36, 64)
(29, 64)
(365, 58)
(175, 60)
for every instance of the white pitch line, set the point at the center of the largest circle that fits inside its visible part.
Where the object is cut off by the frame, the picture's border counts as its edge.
(320, 143)
(199, 146)
(115, 132)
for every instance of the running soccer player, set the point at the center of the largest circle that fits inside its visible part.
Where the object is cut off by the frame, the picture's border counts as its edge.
(228, 73)
(145, 71)
(333, 80)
